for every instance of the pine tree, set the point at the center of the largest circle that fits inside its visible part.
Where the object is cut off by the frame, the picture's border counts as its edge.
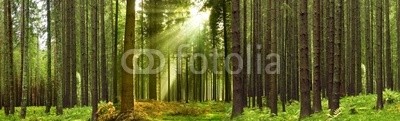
(317, 57)
(127, 89)
(379, 41)
(305, 104)
(237, 80)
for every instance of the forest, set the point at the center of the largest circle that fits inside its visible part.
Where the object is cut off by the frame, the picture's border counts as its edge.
(244, 60)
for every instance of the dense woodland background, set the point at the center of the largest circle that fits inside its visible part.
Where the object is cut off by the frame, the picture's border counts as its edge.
(67, 53)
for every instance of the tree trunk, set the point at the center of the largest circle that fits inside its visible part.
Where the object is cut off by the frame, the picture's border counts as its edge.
(389, 72)
(337, 56)
(398, 44)
(273, 104)
(94, 74)
(369, 49)
(49, 78)
(305, 104)
(24, 59)
(84, 55)
(8, 58)
(104, 81)
(237, 80)
(127, 95)
(379, 32)
(228, 89)
(115, 54)
(330, 49)
(317, 57)
(58, 84)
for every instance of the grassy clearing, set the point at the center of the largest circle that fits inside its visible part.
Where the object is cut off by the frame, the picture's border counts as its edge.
(37, 114)
(357, 108)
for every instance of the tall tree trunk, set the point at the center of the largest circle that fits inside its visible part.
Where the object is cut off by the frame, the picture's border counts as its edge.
(357, 39)
(8, 58)
(305, 104)
(59, 75)
(127, 94)
(337, 56)
(24, 59)
(72, 34)
(237, 78)
(317, 57)
(273, 104)
(84, 54)
(351, 49)
(369, 49)
(398, 44)
(115, 54)
(228, 90)
(94, 85)
(257, 51)
(379, 39)
(388, 59)
(49, 78)
(330, 49)
(104, 81)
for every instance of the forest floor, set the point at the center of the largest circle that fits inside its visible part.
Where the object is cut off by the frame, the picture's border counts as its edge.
(352, 108)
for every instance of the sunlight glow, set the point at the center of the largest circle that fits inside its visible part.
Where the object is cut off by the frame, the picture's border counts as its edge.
(138, 5)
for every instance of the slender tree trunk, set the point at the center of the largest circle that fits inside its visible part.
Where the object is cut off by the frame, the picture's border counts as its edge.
(273, 104)
(49, 78)
(8, 57)
(84, 55)
(94, 74)
(115, 54)
(305, 104)
(379, 41)
(24, 59)
(369, 49)
(59, 75)
(237, 79)
(337, 56)
(317, 57)
(398, 44)
(104, 81)
(330, 49)
(389, 72)
(228, 90)
(358, 41)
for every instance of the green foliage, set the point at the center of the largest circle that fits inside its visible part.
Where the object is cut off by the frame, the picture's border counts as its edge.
(391, 96)
(37, 114)
(352, 108)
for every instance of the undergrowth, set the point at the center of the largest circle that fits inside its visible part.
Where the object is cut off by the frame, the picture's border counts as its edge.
(357, 108)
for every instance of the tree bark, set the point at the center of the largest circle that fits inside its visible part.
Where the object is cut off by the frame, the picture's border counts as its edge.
(59, 75)
(337, 56)
(94, 74)
(317, 57)
(24, 60)
(369, 49)
(115, 55)
(389, 71)
(237, 79)
(305, 104)
(127, 95)
(104, 80)
(379, 41)
(398, 43)
(49, 49)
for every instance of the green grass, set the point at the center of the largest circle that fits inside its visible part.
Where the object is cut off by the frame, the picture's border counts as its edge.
(37, 114)
(359, 108)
